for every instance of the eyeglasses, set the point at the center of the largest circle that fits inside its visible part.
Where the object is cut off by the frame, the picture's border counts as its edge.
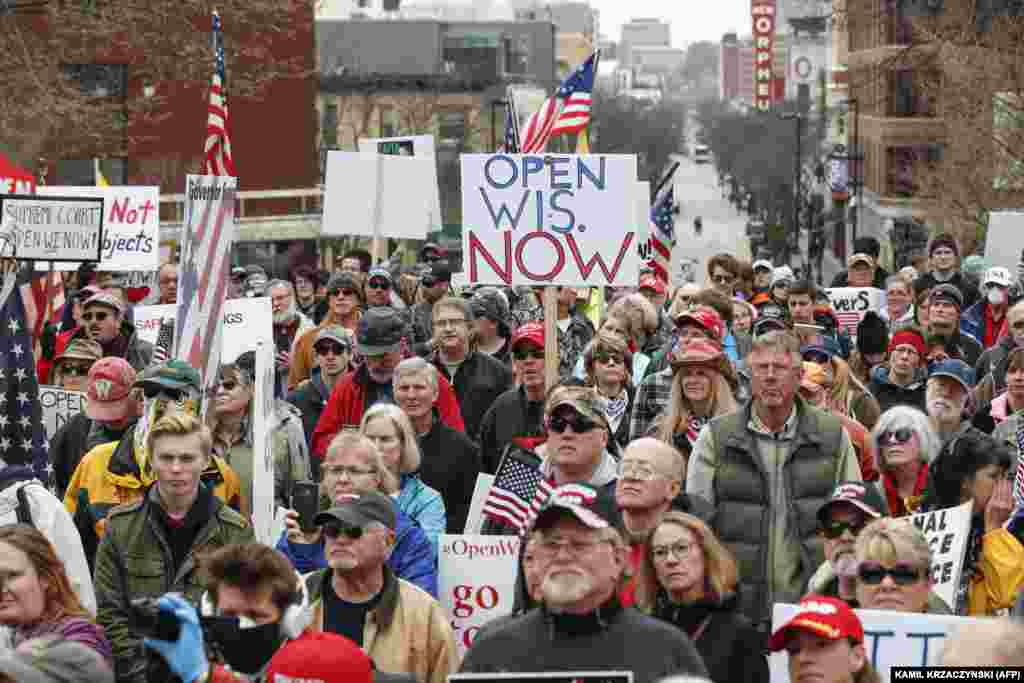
(330, 349)
(379, 284)
(333, 531)
(638, 471)
(606, 357)
(350, 472)
(445, 323)
(834, 530)
(552, 545)
(74, 370)
(98, 316)
(151, 391)
(895, 436)
(579, 424)
(526, 354)
(679, 550)
(873, 573)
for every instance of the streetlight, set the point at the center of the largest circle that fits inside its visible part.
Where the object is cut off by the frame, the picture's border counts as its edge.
(798, 179)
(855, 155)
(494, 130)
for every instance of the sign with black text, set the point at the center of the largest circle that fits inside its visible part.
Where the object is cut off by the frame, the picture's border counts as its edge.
(53, 228)
(58, 406)
(851, 303)
(947, 531)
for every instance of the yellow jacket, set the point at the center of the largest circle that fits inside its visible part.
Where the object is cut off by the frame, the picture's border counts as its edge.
(999, 575)
(109, 476)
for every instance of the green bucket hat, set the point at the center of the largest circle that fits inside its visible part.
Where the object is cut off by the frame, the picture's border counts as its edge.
(174, 374)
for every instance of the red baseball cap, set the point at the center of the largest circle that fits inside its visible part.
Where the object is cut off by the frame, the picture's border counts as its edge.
(829, 618)
(320, 657)
(530, 332)
(107, 388)
(651, 282)
(707, 319)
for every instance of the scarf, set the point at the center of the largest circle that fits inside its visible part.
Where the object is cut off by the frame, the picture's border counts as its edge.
(694, 426)
(615, 408)
(899, 506)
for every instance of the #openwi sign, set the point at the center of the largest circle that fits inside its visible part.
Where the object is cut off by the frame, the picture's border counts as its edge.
(549, 220)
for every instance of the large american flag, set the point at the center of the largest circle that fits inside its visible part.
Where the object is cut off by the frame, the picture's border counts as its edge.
(663, 234)
(567, 111)
(217, 153)
(22, 434)
(43, 297)
(519, 490)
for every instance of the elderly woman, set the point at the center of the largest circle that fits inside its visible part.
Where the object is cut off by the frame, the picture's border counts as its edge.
(609, 365)
(389, 428)
(899, 301)
(975, 469)
(702, 389)
(689, 579)
(37, 596)
(894, 569)
(233, 427)
(904, 443)
(353, 464)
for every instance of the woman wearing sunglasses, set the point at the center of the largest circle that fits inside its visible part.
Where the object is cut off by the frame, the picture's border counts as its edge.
(609, 365)
(894, 569)
(904, 443)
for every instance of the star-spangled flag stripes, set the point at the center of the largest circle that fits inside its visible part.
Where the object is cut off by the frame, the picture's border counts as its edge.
(567, 111)
(663, 234)
(511, 126)
(1018, 480)
(163, 348)
(217, 158)
(22, 434)
(513, 498)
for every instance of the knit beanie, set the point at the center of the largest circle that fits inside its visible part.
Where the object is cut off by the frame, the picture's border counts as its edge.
(872, 335)
(943, 240)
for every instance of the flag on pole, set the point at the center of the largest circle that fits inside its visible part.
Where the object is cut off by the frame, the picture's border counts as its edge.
(217, 152)
(22, 434)
(511, 125)
(567, 111)
(1018, 480)
(663, 234)
(41, 295)
(101, 180)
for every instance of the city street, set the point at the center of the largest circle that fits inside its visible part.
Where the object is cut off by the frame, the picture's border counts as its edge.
(698, 194)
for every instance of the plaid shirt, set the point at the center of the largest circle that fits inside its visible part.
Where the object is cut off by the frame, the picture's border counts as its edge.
(651, 400)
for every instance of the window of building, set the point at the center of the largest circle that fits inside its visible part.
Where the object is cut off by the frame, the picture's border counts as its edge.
(517, 55)
(98, 80)
(909, 167)
(82, 172)
(329, 126)
(473, 56)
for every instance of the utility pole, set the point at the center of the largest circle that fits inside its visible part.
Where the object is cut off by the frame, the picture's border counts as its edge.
(797, 181)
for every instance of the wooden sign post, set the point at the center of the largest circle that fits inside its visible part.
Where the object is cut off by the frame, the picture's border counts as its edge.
(551, 336)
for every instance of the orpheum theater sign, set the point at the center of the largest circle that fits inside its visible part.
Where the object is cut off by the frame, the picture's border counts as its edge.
(763, 12)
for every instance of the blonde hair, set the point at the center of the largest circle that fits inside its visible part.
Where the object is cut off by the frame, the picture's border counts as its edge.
(181, 424)
(843, 380)
(889, 540)
(350, 441)
(409, 460)
(721, 574)
(638, 311)
(676, 419)
(991, 642)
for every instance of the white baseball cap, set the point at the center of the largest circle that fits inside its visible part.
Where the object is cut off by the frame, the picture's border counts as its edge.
(998, 276)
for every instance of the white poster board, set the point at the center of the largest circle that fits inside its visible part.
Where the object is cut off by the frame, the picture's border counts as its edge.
(248, 326)
(642, 221)
(549, 220)
(476, 579)
(417, 146)
(475, 518)
(947, 532)
(851, 303)
(54, 228)
(131, 225)
(1005, 239)
(58, 406)
(389, 196)
(890, 638)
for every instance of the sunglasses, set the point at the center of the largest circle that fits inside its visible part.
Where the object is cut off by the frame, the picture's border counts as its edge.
(150, 391)
(379, 284)
(579, 424)
(343, 292)
(834, 530)
(896, 436)
(722, 279)
(74, 370)
(873, 573)
(333, 531)
(524, 354)
(430, 282)
(326, 349)
(98, 316)
(606, 357)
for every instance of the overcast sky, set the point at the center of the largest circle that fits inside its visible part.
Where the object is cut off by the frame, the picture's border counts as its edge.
(692, 20)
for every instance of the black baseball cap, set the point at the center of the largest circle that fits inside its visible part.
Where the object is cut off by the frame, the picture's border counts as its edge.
(360, 510)
(861, 495)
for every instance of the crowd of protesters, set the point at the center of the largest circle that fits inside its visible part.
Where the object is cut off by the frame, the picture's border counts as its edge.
(708, 454)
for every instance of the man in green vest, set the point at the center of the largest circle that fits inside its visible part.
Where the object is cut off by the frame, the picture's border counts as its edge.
(767, 469)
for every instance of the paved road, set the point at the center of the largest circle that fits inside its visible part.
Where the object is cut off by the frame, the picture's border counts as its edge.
(698, 194)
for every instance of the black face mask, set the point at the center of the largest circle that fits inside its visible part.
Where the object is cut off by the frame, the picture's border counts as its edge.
(245, 650)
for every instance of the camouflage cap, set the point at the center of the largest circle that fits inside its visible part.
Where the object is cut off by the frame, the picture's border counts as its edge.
(584, 400)
(174, 374)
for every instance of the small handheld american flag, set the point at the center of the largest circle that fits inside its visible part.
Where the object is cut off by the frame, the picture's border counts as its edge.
(519, 490)
(163, 348)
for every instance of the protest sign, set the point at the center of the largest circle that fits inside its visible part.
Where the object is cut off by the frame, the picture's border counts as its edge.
(476, 581)
(248, 326)
(947, 531)
(1004, 242)
(643, 222)
(380, 196)
(418, 146)
(890, 638)
(549, 220)
(53, 228)
(851, 303)
(548, 677)
(58, 406)
(131, 225)
(475, 518)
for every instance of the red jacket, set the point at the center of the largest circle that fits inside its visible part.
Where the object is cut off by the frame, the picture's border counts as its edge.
(346, 406)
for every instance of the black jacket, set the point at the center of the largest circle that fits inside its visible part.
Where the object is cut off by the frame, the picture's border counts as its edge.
(888, 394)
(450, 464)
(969, 291)
(732, 649)
(611, 639)
(511, 416)
(478, 382)
(67, 448)
(310, 397)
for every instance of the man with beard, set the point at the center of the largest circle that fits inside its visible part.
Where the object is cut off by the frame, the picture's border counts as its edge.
(581, 625)
(947, 397)
(848, 510)
(379, 341)
(434, 286)
(478, 379)
(944, 305)
(289, 324)
(103, 321)
(944, 255)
